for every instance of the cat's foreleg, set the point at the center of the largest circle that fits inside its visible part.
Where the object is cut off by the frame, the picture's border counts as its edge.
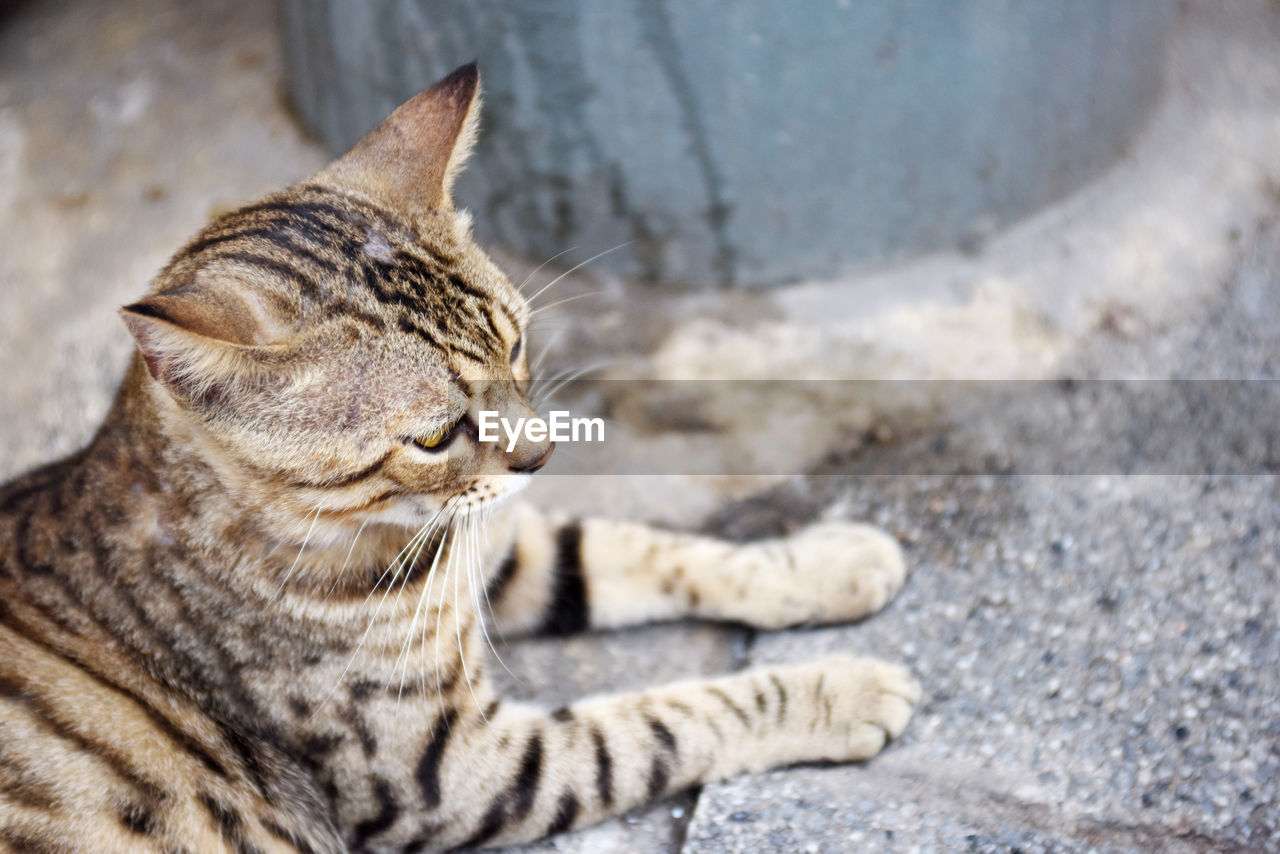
(566, 576)
(528, 774)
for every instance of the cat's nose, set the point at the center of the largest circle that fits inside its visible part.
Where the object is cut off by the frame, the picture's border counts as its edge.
(530, 465)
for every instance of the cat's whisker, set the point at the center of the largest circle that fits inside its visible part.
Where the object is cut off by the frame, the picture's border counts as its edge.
(488, 547)
(545, 382)
(449, 570)
(548, 324)
(397, 563)
(350, 552)
(482, 593)
(575, 268)
(538, 268)
(402, 658)
(444, 581)
(393, 568)
(413, 562)
(546, 350)
(302, 548)
(536, 383)
(594, 366)
(373, 619)
(435, 656)
(545, 396)
(457, 627)
(422, 598)
(559, 302)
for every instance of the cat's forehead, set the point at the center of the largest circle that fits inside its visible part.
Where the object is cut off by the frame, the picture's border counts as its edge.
(313, 254)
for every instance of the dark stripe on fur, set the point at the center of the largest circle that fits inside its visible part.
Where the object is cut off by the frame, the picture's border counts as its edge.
(315, 748)
(351, 717)
(566, 814)
(782, 696)
(516, 802)
(293, 839)
(484, 313)
(460, 285)
(419, 843)
(290, 274)
(388, 812)
(15, 492)
(604, 768)
(511, 315)
(731, 706)
(323, 214)
(428, 773)
(659, 777)
(348, 311)
(45, 714)
(407, 326)
(498, 584)
(168, 727)
(340, 481)
(526, 785)
(567, 613)
(21, 842)
(20, 785)
(278, 235)
(489, 827)
(229, 823)
(139, 819)
(664, 735)
(380, 278)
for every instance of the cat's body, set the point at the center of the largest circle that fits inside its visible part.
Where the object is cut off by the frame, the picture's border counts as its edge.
(248, 617)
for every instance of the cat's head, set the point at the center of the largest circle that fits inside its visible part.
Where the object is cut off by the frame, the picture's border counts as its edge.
(336, 341)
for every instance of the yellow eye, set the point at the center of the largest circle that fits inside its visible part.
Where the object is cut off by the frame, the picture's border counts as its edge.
(433, 439)
(436, 437)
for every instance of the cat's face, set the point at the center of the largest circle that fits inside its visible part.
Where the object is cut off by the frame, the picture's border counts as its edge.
(335, 342)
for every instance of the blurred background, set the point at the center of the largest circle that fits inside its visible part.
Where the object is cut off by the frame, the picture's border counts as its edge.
(859, 194)
(755, 142)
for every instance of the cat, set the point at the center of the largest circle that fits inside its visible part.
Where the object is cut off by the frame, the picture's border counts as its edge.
(247, 617)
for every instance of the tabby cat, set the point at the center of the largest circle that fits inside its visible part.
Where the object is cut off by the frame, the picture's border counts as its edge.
(247, 617)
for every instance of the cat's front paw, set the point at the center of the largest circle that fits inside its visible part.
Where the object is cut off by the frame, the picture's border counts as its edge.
(862, 703)
(839, 709)
(852, 570)
(828, 573)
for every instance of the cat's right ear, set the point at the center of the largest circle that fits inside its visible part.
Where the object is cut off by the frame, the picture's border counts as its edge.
(410, 160)
(200, 349)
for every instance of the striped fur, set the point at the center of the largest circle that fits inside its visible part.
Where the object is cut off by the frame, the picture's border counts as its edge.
(250, 616)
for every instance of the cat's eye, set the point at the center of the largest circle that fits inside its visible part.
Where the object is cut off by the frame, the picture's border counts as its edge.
(515, 351)
(437, 438)
(432, 440)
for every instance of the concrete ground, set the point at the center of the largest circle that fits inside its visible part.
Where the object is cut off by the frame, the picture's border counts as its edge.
(1098, 645)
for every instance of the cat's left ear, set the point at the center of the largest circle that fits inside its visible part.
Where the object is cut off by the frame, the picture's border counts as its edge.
(203, 344)
(409, 161)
